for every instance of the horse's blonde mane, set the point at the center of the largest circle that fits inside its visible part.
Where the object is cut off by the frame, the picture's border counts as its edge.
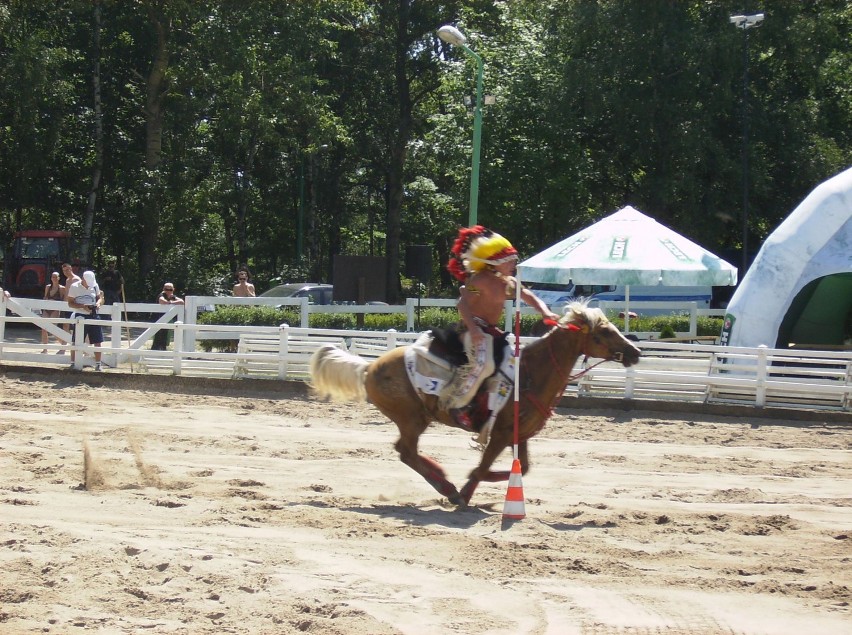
(581, 312)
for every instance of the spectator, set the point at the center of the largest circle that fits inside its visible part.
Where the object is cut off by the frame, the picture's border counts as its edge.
(70, 276)
(70, 279)
(166, 297)
(112, 283)
(243, 288)
(85, 297)
(53, 291)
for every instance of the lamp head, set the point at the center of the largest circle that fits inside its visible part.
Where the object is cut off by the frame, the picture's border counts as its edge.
(451, 35)
(746, 21)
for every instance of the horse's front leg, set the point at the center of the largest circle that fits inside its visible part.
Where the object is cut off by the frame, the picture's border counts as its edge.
(503, 475)
(483, 471)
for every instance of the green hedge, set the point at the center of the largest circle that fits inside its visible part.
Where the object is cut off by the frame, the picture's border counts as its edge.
(704, 325)
(429, 317)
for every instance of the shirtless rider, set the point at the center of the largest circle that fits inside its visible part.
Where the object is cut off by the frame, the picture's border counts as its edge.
(484, 262)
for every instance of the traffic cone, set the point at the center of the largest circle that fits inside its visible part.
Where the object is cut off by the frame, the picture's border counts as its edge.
(514, 506)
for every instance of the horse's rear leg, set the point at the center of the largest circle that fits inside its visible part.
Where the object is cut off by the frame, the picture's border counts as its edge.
(426, 466)
(389, 389)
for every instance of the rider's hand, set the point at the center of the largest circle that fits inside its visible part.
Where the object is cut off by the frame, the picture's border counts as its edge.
(476, 336)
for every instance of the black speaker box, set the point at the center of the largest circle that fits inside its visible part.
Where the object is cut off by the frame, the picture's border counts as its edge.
(418, 262)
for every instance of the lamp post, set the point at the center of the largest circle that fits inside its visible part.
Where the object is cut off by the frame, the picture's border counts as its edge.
(745, 22)
(451, 35)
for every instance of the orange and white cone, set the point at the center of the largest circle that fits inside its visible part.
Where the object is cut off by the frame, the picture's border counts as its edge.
(514, 505)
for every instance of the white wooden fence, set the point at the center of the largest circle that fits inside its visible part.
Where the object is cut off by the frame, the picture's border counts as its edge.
(667, 371)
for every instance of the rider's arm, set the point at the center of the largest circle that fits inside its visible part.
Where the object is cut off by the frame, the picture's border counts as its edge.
(535, 302)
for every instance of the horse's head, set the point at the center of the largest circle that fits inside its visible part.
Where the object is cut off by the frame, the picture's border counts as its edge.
(602, 339)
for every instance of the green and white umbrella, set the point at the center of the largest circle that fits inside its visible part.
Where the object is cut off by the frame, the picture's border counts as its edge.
(628, 248)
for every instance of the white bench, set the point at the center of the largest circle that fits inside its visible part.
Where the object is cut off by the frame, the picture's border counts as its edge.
(198, 365)
(788, 382)
(372, 347)
(279, 356)
(660, 374)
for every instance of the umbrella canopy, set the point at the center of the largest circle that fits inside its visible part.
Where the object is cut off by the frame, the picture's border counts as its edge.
(628, 248)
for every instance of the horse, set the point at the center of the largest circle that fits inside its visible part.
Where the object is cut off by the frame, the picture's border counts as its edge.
(545, 371)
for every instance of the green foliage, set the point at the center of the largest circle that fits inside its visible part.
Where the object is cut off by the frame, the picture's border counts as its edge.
(346, 118)
(667, 331)
(673, 324)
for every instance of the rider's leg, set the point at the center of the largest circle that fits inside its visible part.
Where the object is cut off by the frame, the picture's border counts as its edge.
(468, 378)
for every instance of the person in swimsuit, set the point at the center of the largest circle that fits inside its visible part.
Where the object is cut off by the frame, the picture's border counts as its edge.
(52, 291)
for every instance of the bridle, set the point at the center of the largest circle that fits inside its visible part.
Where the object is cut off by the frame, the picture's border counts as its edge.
(570, 326)
(567, 377)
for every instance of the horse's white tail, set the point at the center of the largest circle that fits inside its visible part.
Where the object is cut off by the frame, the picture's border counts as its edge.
(338, 374)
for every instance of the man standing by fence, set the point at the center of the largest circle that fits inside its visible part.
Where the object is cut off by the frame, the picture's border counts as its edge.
(85, 298)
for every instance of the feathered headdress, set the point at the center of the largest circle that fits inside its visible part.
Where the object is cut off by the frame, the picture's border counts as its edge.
(476, 247)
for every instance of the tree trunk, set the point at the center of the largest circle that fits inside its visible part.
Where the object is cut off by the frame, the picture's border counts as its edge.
(399, 151)
(155, 88)
(242, 179)
(97, 168)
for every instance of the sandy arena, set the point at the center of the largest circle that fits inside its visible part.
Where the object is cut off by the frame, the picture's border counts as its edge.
(168, 510)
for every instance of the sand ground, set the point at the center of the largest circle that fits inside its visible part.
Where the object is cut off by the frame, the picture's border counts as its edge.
(128, 510)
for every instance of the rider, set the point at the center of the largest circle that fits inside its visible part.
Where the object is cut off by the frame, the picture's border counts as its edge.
(484, 262)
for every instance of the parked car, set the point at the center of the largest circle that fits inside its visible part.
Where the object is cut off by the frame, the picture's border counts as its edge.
(316, 293)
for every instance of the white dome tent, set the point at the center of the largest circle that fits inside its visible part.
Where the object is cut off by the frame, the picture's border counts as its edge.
(798, 291)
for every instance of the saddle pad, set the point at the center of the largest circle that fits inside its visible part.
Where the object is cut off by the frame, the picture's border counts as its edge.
(424, 374)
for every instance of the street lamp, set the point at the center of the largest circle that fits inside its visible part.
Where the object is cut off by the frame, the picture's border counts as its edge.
(451, 35)
(745, 22)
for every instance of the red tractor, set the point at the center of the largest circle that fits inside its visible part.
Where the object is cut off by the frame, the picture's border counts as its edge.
(34, 255)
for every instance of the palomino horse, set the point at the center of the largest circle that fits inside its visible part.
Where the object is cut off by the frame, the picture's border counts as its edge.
(545, 371)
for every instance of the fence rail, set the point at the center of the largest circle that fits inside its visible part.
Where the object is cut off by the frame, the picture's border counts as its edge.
(671, 371)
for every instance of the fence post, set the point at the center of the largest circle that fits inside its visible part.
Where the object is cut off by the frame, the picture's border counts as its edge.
(177, 341)
(114, 334)
(305, 314)
(283, 349)
(847, 404)
(760, 378)
(409, 314)
(2, 321)
(391, 339)
(190, 313)
(629, 382)
(693, 319)
(79, 341)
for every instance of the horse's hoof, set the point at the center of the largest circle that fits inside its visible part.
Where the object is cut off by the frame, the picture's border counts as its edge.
(458, 499)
